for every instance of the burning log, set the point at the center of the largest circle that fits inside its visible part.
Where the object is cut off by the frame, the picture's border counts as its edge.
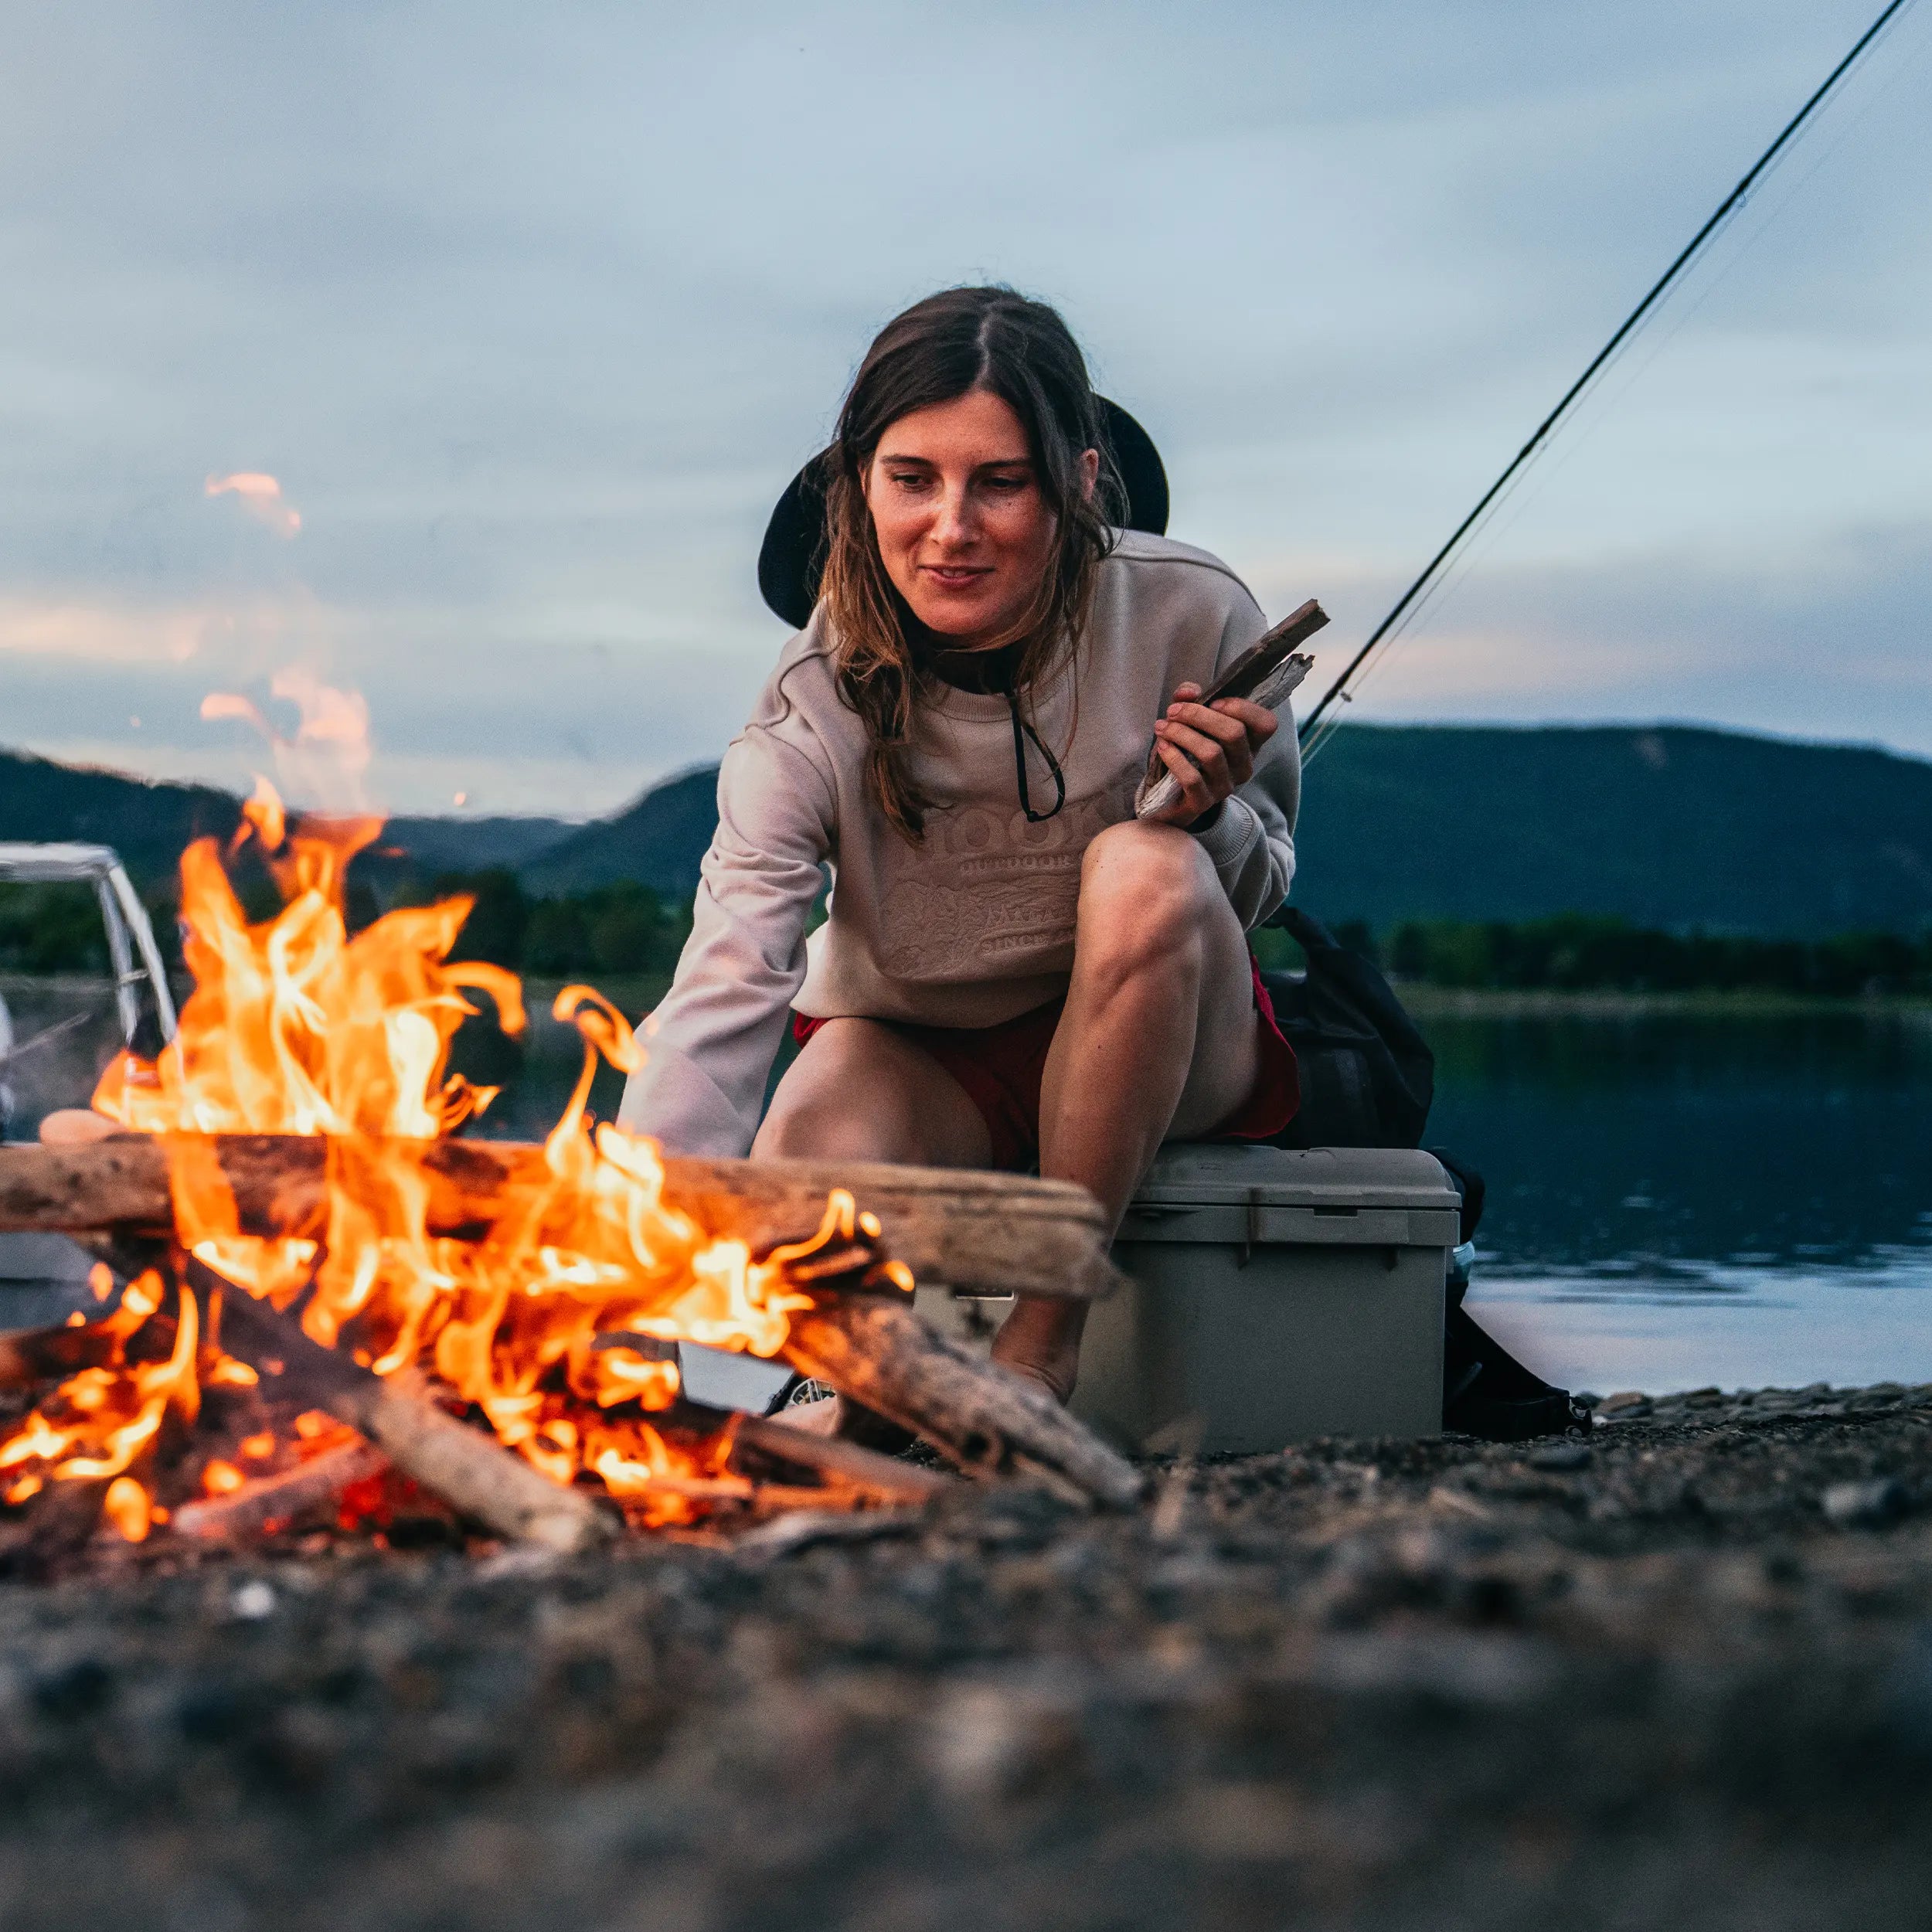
(983, 1233)
(872, 1347)
(284, 1498)
(877, 1351)
(29, 1356)
(472, 1472)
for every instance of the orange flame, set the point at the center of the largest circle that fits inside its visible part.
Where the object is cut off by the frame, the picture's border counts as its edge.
(548, 1324)
(101, 1419)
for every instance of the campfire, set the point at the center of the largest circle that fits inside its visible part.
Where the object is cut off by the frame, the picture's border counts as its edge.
(331, 1305)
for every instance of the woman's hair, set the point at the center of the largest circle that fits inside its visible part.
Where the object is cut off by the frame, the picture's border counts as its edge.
(951, 344)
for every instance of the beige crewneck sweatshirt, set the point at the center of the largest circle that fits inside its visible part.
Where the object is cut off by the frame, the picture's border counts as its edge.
(975, 924)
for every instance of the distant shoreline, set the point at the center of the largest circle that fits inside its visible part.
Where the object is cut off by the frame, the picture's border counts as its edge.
(635, 994)
(1428, 1001)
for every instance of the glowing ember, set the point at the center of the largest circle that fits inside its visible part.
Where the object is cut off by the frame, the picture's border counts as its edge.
(547, 1323)
(126, 1507)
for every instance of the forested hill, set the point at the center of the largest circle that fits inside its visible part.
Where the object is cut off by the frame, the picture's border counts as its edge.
(1670, 827)
(657, 840)
(1673, 827)
(149, 825)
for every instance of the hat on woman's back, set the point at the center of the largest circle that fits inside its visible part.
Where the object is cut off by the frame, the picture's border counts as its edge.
(793, 551)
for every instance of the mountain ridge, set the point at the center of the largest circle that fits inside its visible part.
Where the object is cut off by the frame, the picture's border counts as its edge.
(1680, 827)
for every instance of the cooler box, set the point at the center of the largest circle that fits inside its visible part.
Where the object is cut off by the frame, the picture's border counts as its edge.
(1274, 1295)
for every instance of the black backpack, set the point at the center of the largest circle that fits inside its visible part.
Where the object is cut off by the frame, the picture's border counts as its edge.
(1368, 1078)
(1367, 1075)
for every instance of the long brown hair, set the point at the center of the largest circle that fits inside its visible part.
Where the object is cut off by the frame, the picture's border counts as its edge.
(958, 341)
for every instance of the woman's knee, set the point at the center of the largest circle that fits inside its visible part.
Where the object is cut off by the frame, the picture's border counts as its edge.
(1147, 890)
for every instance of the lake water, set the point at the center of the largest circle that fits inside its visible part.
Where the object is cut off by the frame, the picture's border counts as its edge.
(1676, 1199)
(1680, 1199)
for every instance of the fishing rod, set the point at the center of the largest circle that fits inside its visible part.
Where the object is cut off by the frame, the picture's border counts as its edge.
(1630, 323)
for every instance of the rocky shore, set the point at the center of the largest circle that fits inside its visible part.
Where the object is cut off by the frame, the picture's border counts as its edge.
(1679, 1674)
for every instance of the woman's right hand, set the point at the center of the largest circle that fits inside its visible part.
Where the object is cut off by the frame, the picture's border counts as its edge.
(1210, 749)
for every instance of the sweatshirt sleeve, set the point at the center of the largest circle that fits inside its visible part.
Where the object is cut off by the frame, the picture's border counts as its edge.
(1251, 841)
(709, 1045)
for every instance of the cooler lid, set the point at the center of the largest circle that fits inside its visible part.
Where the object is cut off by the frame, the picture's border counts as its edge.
(1200, 1175)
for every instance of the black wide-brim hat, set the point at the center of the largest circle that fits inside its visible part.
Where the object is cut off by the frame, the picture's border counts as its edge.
(793, 553)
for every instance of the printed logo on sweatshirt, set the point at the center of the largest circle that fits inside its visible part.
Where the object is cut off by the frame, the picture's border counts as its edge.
(990, 890)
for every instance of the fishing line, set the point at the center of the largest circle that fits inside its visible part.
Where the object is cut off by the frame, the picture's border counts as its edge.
(1598, 365)
(1597, 403)
(1606, 398)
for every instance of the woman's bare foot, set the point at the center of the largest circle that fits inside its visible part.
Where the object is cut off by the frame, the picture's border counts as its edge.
(1041, 1341)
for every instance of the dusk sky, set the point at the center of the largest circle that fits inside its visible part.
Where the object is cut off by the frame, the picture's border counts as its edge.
(532, 311)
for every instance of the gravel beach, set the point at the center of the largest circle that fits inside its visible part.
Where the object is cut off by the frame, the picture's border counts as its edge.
(1679, 1676)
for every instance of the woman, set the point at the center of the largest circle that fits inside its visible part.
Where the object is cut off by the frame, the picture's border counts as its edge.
(1012, 966)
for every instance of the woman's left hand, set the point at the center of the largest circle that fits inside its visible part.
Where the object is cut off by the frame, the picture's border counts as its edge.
(1210, 749)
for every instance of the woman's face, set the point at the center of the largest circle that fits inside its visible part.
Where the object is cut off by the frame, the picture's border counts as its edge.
(964, 532)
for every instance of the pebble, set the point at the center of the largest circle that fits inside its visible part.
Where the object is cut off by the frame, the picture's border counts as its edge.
(1630, 1402)
(1865, 1505)
(1561, 1458)
(253, 1601)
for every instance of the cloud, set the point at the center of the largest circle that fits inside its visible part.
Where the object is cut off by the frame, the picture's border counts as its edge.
(543, 311)
(75, 635)
(261, 497)
(1824, 642)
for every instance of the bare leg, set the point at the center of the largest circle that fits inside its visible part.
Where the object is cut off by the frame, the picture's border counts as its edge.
(860, 1091)
(1158, 1042)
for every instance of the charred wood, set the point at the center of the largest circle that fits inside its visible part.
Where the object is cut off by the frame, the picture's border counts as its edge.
(58, 1524)
(276, 1501)
(761, 1446)
(30, 1357)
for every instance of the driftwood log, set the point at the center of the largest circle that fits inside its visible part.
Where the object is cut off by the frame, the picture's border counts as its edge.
(472, 1472)
(975, 1232)
(875, 1349)
(843, 1468)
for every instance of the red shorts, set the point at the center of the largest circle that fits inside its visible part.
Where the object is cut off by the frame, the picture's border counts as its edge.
(1001, 1068)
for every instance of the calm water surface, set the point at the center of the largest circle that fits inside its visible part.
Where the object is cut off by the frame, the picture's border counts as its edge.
(1682, 1199)
(1675, 1200)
